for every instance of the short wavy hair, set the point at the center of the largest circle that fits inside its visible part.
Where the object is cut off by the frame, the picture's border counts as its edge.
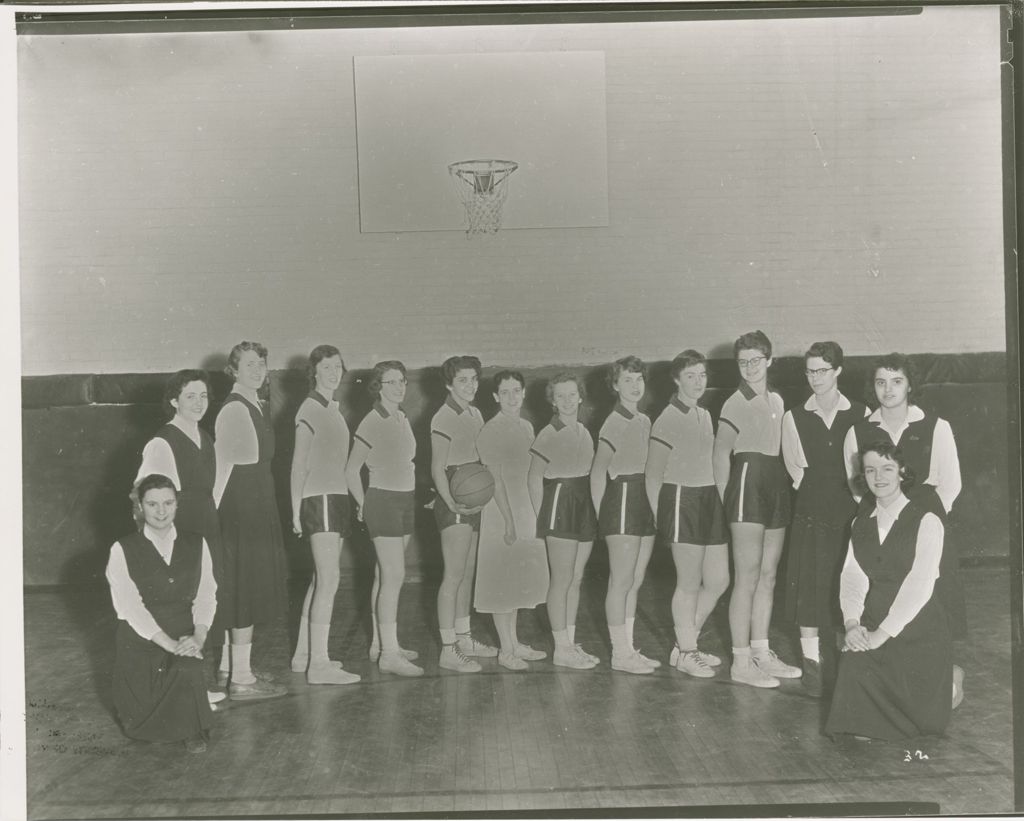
(377, 375)
(753, 341)
(627, 364)
(687, 359)
(830, 351)
(318, 355)
(893, 362)
(236, 355)
(453, 364)
(501, 376)
(887, 450)
(560, 379)
(176, 384)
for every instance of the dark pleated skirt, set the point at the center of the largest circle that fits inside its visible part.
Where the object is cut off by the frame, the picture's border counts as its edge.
(814, 560)
(898, 692)
(252, 546)
(158, 696)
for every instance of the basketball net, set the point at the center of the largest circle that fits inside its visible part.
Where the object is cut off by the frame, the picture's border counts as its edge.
(482, 186)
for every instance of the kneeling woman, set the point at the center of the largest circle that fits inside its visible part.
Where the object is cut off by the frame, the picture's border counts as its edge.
(162, 587)
(896, 674)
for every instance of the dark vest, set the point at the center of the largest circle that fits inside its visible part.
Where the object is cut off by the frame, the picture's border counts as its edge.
(916, 445)
(167, 590)
(887, 564)
(824, 491)
(197, 470)
(916, 442)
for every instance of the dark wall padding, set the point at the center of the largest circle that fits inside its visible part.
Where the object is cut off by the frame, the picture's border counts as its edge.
(83, 436)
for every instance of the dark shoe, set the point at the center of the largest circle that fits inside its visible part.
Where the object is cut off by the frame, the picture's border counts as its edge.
(812, 678)
(196, 744)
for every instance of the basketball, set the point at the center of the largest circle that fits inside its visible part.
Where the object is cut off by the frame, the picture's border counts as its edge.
(472, 485)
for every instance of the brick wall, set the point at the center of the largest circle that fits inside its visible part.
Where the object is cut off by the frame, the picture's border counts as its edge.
(819, 178)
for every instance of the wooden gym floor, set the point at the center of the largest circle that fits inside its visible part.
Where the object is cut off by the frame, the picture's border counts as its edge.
(545, 740)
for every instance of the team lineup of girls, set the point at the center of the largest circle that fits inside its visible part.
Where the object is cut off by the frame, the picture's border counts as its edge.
(888, 578)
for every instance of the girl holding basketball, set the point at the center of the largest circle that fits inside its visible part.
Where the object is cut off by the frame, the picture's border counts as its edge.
(384, 442)
(321, 508)
(625, 519)
(688, 511)
(453, 432)
(559, 485)
(512, 568)
(754, 487)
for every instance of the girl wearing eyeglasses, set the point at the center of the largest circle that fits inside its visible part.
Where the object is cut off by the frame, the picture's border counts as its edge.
(812, 449)
(754, 488)
(384, 442)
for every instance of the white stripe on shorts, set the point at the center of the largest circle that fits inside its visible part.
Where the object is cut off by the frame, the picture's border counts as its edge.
(675, 532)
(327, 524)
(622, 509)
(743, 487)
(554, 505)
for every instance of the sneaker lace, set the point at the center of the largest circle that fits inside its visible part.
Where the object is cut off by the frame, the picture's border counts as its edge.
(462, 657)
(696, 657)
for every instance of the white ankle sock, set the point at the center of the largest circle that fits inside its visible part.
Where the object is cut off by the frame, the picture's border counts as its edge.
(462, 625)
(630, 622)
(562, 638)
(570, 630)
(810, 649)
(758, 647)
(318, 643)
(389, 636)
(621, 645)
(741, 656)
(225, 654)
(241, 672)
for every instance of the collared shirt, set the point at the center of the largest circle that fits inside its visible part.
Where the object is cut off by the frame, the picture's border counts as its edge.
(688, 434)
(627, 434)
(943, 465)
(567, 449)
(127, 600)
(756, 418)
(235, 441)
(460, 426)
(392, 448)
(792, 448)
(328, 453)
(157, 456)
(917, 587)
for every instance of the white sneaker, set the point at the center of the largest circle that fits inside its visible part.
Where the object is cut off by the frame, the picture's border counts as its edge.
(394, 662)
(471, 647)
(527, 653)
(452, 658)
(753, 675)
(215, 696)
(654, 664)
(330, 672)
(588, 656)
(771, 664)
(958, 685)
(632, 663)
(568, 655)
(374, 653)
(512, 662)
(710, 659)
(691, 663)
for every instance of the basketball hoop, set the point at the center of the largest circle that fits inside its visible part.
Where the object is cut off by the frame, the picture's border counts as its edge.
(482, 186)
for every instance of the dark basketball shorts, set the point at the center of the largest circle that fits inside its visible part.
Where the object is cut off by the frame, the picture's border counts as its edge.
(691, 515)
(759, 491)
(445, 516)
(625, 509)
(327, 513)
(567, 511)
(389, 512)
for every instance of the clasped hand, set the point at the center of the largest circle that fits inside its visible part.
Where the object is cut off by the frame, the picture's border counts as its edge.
(859, 638)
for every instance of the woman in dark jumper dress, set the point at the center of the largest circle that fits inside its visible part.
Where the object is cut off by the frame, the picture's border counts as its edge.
(896, 671)
(184, 453)
(162, 588)
(254, 562)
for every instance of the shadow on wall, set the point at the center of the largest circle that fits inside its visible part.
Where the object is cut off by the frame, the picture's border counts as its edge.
(83, 436)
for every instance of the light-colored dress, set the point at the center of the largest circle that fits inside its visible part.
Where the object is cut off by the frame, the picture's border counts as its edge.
(509, 577)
